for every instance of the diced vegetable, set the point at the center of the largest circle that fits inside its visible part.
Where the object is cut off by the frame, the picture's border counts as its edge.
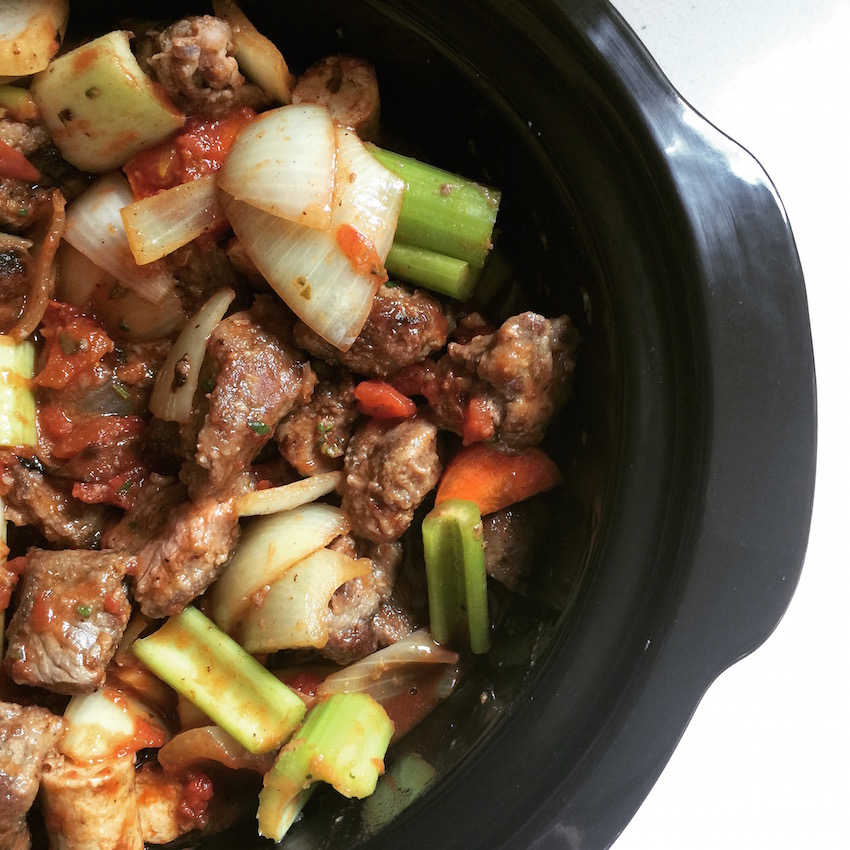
(77, 276)
(14, 165)
(232, 688)
(381, 400)
(109, 723)
(204, 744)
(199, 148)
(171, 398)
(453, 539)
(379, 674)
(494, 480)
(443, 212)
(430, 270)
(94, 226)
(17, 402)
(18, 103)
(283, 162)
(99, 105)
(268, 547)
(164, 222)
(404, 781)
(30, 33)
(258, 57)
(327, 278)
(343, 741)
(294, 612)
(288, 496)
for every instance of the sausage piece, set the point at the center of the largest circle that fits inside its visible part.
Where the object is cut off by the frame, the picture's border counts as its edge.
(348, 88)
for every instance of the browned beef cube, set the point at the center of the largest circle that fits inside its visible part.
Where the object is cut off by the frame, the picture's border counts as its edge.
(27, 733)
(72, 613)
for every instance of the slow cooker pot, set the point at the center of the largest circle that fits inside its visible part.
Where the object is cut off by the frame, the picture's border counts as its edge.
(688, 445)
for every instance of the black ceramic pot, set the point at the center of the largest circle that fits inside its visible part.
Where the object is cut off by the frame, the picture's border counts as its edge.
(689, 444)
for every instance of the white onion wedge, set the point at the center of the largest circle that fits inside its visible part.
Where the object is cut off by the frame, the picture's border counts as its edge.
(171, 399)
(93, 225)
(380, 673)
(126, 316)
(268, 547)
(77, 277)
(283, 163)
(258, 57)
(288, 496)
(295, 610)
(107, 723)
(324, 285)
(172, 218)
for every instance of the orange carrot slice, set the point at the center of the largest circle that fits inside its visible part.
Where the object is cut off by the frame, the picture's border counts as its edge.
(494, 480)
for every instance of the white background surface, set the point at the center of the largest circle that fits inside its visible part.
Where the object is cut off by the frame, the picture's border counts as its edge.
(765, 762)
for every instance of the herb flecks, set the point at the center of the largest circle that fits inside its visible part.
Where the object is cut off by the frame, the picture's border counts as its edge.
(258, 427)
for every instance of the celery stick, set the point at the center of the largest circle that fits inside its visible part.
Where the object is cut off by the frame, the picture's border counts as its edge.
(437, 272)
(454, 566)
(17, 402)
(443, 212)
(342, 741)
(230, 686)
(403, 782)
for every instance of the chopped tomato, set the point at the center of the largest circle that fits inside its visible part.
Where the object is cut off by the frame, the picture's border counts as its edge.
(381, 400)
(494, 480)
(361, 253)
(15, 165)
(197, 793)
(75, 344)
(199, 148)
(121, 490)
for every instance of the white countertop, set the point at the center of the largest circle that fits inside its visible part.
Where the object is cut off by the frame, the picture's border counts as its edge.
(765, 762)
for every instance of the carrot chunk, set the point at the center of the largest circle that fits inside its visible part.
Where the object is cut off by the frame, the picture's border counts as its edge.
(494, 480)
(381, 400)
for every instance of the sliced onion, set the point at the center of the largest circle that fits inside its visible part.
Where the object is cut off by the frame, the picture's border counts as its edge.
(95, 228)
(210, 743)
(109, 723)
(288, 496)
(172, 218)
(283, 163)
(77, 276)
(258, 57)
(172, 400)
(381, 674)
(268, 547)
(295, 610)
(129, 317)
(368, 196)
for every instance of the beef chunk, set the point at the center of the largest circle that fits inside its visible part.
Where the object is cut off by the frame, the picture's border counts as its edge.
(196, 64)
(157, 501)
(389, 469)
(313, 438)
(21, 205)
(347, 87)
(27, 734)
(364, 616)
(186, 556)
(14, 283)
(259, 378)
(509, 539)
(72, 612)
(403, 327)
(505, 386)
(47, 504)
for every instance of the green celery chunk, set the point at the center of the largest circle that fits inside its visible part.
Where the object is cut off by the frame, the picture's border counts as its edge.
(342, 741)
(443, 212)
(230, 686)
(397, 789)
(17, 401)
(453, 538)
(437, 272)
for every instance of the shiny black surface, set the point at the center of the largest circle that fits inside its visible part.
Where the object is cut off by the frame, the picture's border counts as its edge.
(691, 437)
